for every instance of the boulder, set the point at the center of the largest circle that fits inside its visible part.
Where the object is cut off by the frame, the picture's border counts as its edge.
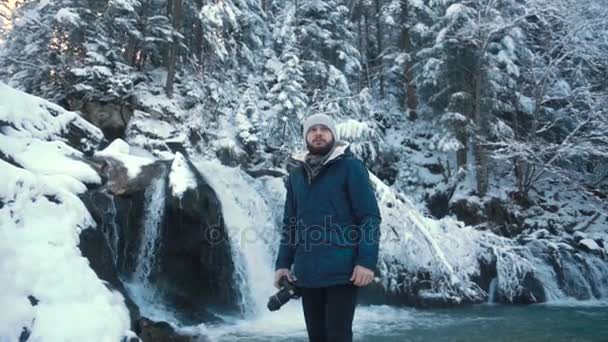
(95, 248)
(150, 331)
(118, 207)
(111, 118)
(469, 212)
(493, 212)
(532, 292)
(196, 267)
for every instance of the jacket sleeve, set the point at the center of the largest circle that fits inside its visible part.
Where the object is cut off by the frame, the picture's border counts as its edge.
(287, 244)
(367, 214)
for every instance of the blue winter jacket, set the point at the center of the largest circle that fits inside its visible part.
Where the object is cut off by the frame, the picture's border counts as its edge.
(331, 222)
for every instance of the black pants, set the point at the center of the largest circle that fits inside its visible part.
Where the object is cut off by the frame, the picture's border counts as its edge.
(329, 312)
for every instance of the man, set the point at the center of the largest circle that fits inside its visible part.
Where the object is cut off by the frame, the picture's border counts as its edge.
(330, 231)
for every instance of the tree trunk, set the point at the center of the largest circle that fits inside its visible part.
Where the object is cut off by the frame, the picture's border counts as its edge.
(266, 5)
(139, 54)
(366, 40)
(481, 127)
(461, 154)
(411, 101)
(361, 43)
(130, 51)
(197, 49)
(520, 165)
(380, 49)
(176, 16)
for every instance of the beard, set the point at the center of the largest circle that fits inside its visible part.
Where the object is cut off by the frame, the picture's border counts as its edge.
(320, 150)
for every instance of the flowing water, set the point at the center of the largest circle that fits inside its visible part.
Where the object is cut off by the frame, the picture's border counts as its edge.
(152, 228)
(250, 226)
(566, 321)
(143, 292)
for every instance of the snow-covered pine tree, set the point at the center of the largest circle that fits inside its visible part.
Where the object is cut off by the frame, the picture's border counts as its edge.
(561, 96)
(29, 53)
(408, 31)
(6, 15)
(286, 96)
(102, 72)
(68, 49)
(329, 57)
(472, 69)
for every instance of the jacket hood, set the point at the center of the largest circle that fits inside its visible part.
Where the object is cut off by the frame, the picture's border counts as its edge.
(341, 148)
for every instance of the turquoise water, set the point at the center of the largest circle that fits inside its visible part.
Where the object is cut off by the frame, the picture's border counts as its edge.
(575, 321)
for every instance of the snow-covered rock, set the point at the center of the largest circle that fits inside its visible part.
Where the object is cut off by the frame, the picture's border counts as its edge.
(26, 116)
(181, 177)
(590, 245)
(120, 151)
(52, 292)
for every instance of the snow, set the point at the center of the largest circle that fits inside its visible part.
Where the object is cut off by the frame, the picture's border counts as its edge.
(42, 4)
(444, 248)
(352, 129)
(145, 98)
(148, 135)
(48, 158)
(120, 151)
(449, 143)
(32, 117)
(212, 14)
(39, 257)
(449, 251)
(454, 117)
(33, 139)
(393, 138)
(509, 45)
(181, 177)
(560, 89)
(579, 235)
(127, 5)
(67, 16)
(421, 29)
(48, 285)
(455, 9)
(527, 104)
(146, 122)
(591, 245)
(505, 57)
(501, 129)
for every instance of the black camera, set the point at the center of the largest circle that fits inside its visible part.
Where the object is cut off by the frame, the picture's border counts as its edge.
(288, 291)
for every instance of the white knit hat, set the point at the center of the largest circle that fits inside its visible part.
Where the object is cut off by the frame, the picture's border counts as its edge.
(320, 119)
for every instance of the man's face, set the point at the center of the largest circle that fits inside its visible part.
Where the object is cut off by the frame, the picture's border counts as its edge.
(319, 139)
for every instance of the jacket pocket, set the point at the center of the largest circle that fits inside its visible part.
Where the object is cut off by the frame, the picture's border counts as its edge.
(343, 236)
(338, 262)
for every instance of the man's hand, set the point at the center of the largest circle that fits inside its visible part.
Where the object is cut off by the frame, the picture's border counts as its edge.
(362, 276)
(280, 273)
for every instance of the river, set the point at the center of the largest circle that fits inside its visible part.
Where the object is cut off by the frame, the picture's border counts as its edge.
(563, 321)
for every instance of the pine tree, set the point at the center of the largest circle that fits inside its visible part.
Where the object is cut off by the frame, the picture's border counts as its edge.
(473, 70)
(410, 22)
(6, 15)
(559, 100)
(329, 58)
(33, 50)
(286, 97)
